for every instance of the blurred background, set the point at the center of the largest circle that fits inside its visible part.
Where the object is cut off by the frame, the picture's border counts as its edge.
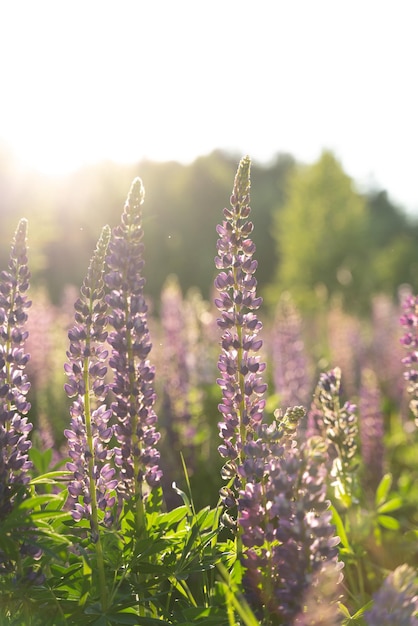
(318, 94)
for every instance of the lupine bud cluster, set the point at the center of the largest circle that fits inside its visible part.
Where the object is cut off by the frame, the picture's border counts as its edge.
(93, 480)
(396, 603)
(240, 367)
(409, 319)
(14, 426)
(340, 425)
(136, 456)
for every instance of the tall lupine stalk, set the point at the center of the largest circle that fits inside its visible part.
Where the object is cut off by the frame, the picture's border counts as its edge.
(285, 531)
(136, 456)
(92, 487)
(240, 367)
(341, 429)
(14, 426)
(409, 319)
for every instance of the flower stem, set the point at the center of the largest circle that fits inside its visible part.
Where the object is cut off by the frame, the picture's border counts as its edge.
(92, 490)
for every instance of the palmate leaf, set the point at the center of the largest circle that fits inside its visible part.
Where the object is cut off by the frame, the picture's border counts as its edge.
(165, 521)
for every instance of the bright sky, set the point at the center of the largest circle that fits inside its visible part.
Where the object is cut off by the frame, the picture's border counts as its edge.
(85, 80)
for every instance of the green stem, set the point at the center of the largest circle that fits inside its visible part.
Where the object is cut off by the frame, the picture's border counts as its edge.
(241, 377)
(92, 489)
(136, 444)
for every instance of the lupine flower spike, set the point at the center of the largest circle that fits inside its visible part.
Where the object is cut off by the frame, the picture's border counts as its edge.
(341, 429)
(409, 319)
(136, 456)
(91, 488)
(14, 426)
(240, 367)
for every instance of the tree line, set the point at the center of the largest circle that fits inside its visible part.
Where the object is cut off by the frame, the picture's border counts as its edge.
(316, 234)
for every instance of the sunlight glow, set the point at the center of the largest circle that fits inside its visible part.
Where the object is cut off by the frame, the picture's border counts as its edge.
(162, 80)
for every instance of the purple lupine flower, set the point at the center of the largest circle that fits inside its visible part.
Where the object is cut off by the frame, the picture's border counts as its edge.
(345, 345)
(409, 319)
(14, 426)
(371, 425)
(286, 525)
(175, 365)
(386, 348)
(93, 483)
(201, 331)
(240, 367)
(340, 429)
(46, 343)
(133, 384)
(314, 422)
(40, 341)
(290, 363)
(396, 602)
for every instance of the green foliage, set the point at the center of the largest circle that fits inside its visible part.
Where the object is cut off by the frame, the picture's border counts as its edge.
(179, 220)
(168, 575)
(333, 241)
(320, 233)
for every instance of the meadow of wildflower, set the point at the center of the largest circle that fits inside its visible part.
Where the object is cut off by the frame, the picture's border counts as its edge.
(210, 463)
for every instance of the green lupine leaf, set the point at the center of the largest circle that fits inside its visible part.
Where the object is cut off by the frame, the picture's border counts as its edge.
(344, 610)
(49, 477)
(383, 489)
(339, 527)
(388, 522)
(390, 505)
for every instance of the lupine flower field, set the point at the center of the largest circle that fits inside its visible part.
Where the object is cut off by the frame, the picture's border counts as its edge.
(191, 462)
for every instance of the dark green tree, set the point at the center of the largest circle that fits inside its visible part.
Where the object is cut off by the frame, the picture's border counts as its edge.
(394, 237)
(321, 237)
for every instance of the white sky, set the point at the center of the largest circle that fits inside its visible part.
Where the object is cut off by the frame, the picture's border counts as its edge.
(84, 80)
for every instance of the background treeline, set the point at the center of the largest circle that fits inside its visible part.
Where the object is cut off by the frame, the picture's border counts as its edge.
(316, 234)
